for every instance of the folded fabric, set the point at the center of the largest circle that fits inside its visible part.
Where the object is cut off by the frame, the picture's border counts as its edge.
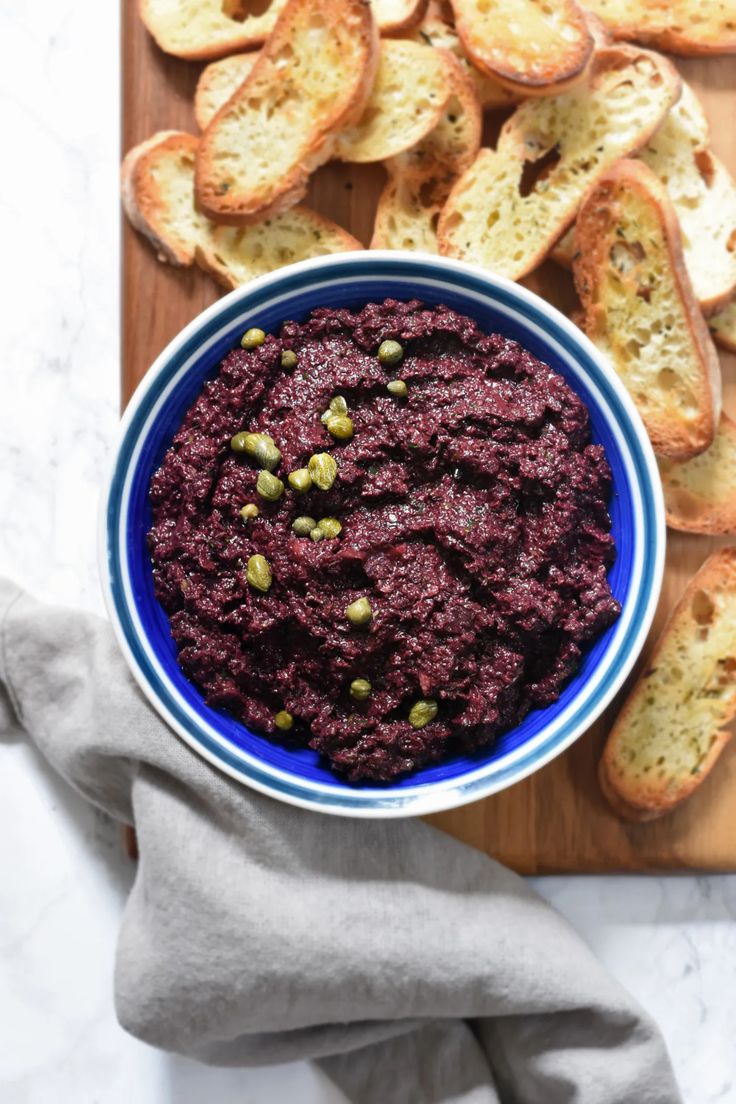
(417, 970)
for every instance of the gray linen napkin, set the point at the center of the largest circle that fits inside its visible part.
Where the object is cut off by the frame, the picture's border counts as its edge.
(415, 968)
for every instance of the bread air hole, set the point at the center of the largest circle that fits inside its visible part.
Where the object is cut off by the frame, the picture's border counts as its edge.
(626, 255)
(535, 170)
(702, 608)
(704, 165)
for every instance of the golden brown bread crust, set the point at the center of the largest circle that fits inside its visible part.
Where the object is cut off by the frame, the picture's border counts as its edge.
(646, 801)
(246, 35)
(528, 72)
(413, 16)
(352, 22)
(595, 231)
(142, 200)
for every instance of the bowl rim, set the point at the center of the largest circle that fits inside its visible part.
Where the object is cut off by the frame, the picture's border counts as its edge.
(444, 794)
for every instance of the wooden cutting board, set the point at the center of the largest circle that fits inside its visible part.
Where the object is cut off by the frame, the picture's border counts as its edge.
(555, 821)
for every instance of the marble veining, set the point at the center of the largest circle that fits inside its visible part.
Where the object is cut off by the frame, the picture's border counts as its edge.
(671, 941)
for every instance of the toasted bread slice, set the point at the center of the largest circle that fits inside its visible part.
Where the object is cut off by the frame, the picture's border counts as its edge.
(236, 254)
(639, 308)
(157, 181)
(217, 82)
(434, 31)
(700, 494)
(670, 731)
(704, 197)
(394, 16)
(406, 103)
(723, 327)
(203, 29)
(313, 78)
(687, 27)
(513, 204)
(526, 46)
(421, 178)
(158, 194)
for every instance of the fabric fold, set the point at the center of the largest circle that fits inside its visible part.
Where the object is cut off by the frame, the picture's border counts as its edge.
(416, 968)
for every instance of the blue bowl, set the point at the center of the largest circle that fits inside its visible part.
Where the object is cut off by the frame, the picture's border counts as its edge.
(350, 280)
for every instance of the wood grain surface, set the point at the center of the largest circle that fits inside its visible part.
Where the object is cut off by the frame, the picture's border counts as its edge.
(555, 821)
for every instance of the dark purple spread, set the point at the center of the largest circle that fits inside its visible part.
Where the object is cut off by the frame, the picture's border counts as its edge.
(474, 519)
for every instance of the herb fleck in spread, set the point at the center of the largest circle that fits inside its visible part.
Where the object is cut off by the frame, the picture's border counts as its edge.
(466, 530)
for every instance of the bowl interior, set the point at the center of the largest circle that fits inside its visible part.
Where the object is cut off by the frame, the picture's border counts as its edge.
(175, 382)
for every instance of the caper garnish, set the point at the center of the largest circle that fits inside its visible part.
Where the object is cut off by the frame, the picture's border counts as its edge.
(317, 534)
(250, 510)
(398, 389)
(258, 573)
(338, 405)
(422, 712)
(340, 427)
(283, 720)
(359, 612)
(252, 338)
(300, 480)
(303, 526)
(289, 359)
(239, 443)
(330, 526)
(269, 487)
(360, 689)
(323, 470)
(390, 352)
(266, 453)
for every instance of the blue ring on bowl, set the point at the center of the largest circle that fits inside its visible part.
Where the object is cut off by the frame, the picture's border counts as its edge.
(156, 411)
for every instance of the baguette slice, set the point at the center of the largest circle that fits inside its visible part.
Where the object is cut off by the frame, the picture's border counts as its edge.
(421, 178)
(704, 197)
(700, 494)
(433, 31)
(670, 731)
(639, 308)
(202, 30)
(157, 182)
(687, 27)
(527, 46)
(513, 204)
(406, 103)
(158, 195)
(217, 82)
(236, 254)
(723, 327)
(313, 77)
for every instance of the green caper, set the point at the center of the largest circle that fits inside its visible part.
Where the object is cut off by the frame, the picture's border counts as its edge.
(269, 487)
(289, 359)
(340, 427)
(422, 712)
(317, 534)
(300, 480)
(241, 441)
(250, 510)
(323, 470)
(303, 525)
(252, 338)
(283, 720)
(258, 573)
(398, 389)
(338, 405)
(330, 526)
(390, 352)
(360, 690)
(359, 612)
(266, 453)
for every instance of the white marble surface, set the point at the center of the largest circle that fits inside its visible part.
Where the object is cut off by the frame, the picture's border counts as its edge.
(672, 941)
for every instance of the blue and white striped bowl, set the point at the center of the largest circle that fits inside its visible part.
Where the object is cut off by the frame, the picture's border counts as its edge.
(350, 280)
